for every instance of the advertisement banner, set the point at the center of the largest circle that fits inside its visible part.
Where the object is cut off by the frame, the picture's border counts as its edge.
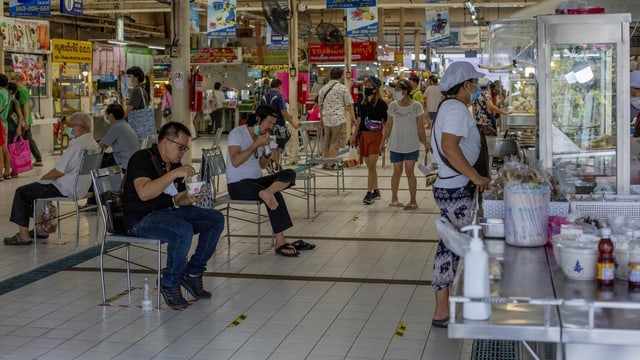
(29, 8)
(469, 37)
(194, 18)
(348, 4)
(32, 66)
(276, 41)
(334, 53)
(437, 26)
(25, 35)
(362, 21)
(71, 51)
(71, 7)
(221, 19)
(226, 55)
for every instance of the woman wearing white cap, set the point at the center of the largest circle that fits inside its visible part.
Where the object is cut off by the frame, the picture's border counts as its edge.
(460, 150)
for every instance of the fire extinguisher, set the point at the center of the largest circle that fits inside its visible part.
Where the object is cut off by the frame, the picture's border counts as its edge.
(195, 91)
(303, 89)
(354, 92)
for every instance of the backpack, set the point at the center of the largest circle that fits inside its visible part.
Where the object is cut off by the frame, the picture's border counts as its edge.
(281, 132)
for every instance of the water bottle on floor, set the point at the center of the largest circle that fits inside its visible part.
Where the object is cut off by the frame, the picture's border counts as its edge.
(146, 297)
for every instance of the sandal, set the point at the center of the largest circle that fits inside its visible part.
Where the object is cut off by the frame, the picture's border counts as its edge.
(411, 206)
(396, 204)
(17, 240)
(40, 235)
(286, 250)
(442, 323)
(302, 245)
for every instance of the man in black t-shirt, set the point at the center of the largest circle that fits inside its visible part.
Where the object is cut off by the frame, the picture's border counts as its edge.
(157, 205)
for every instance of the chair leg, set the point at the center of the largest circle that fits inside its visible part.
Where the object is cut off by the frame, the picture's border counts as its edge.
(159, 268)
(259, 224)
(35, 223)
(77, 224)
(104, 291)
(128, 269)
(228, 232)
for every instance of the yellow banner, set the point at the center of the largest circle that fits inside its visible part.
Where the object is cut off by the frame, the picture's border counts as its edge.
(72, 51)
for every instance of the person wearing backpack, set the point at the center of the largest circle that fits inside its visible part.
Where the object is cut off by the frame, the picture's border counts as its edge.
(275, 99)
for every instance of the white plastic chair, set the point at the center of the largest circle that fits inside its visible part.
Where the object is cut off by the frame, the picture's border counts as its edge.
(110, 179)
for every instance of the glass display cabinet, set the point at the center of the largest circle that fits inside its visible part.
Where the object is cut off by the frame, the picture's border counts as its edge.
(583, 67)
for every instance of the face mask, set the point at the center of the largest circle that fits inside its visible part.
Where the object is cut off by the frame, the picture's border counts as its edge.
(368, 92)
(635, 102)
(399, 95)
(129, 82)
(106, 119)
(256, 130)
(70, 133)
(475, 95)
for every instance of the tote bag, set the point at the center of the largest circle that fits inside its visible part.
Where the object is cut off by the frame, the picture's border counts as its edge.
(143, 120)
(20, 153)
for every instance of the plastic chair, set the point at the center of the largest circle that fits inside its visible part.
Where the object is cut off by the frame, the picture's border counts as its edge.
(213, 167)
(110, 179)
(88, 161)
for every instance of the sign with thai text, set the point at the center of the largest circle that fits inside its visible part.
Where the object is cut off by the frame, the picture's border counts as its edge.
(29, 7)
(334, 53)
(226, 55)
(71, 51)
(71, 7)
(347, 4)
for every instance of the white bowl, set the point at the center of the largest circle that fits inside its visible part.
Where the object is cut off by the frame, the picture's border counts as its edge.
(198, 188)
(571, 240)
(579, 262)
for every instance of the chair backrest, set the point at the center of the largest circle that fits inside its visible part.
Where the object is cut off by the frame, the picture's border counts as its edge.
(212, 167)
(216, 138)
(105, 180)
(89, 160)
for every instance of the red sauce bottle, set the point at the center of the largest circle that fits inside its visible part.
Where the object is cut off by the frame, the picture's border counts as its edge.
(606, 263)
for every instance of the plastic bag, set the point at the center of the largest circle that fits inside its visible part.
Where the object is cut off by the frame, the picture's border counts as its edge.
(455, 241)
(48, 218)
(20, 154)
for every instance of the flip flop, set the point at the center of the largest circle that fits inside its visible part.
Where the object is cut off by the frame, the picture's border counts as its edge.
(17, 240)
(396, 204)
(282, 250)
(442, 323)
(302, 245)
(411, 207)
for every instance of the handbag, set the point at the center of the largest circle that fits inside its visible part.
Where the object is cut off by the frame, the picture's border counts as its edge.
(282, 134)
(20, 153)
(114, 207)
(143, 120)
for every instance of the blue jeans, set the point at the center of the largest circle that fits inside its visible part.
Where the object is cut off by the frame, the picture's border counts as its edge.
(176, 227)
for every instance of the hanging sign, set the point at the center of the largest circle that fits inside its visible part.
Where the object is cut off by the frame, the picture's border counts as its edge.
(71, 51)
(194, 18)
(469, 37)
(221, 19)
(24, 35)
(437, 26)
(71, 7)
(276, 41)
(362, 21)
(347, 4)
(226, 55)
(334, 53)
(29, 8)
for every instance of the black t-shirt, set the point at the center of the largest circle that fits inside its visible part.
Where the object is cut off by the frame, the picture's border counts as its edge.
(141, 165)
(374, 112)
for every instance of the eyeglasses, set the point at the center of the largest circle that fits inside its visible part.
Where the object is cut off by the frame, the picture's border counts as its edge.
(181, 147)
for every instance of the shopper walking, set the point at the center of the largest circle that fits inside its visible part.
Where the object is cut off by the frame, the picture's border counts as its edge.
(7, 124)
(23, 99)
(405, 131)
(463, 165)
(432, 96)
(368, 133)
(167, 104)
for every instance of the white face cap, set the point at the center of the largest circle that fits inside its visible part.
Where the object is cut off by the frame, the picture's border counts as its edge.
(457, 73)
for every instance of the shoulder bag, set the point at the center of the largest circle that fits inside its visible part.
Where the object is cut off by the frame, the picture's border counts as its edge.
(143, 120)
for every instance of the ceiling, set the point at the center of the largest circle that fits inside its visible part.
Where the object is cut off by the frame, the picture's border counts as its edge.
(150, 19)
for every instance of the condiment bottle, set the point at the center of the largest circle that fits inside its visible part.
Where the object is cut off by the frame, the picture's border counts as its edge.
(634, 261)
(606, 263)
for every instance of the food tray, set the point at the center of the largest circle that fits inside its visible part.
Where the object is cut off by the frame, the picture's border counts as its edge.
(623, 205)
(494, 209)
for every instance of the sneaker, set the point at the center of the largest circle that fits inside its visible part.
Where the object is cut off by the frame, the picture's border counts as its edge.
(193, 284)
(173, 297)
(376, 195)
(368, 199)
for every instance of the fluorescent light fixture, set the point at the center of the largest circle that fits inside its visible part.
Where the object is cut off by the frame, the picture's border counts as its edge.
(156, 47)
(117, 42)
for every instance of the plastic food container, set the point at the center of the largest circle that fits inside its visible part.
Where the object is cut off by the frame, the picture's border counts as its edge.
(492, 228)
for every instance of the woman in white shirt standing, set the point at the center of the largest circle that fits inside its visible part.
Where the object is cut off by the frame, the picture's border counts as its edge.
(405, 131)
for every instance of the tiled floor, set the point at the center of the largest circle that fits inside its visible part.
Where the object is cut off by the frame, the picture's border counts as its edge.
(363, 293)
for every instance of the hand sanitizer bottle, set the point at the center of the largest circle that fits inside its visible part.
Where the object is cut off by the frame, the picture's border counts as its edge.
(146, 297)
(476, 277)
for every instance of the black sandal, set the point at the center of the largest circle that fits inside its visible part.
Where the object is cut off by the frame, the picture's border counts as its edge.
(442, 323)
(302, 245)
(285, 250)
(17, 240)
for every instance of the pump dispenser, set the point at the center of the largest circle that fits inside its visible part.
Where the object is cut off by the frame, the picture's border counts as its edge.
(476, 277)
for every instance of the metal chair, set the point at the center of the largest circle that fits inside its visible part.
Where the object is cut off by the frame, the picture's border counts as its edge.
(213, 166)
(88, 161)
(216, 139)
(312, 160)
(308, 190)
(110, 179)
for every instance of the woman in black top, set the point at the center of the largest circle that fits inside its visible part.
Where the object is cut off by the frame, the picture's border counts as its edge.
(371, 117)
(138, 98)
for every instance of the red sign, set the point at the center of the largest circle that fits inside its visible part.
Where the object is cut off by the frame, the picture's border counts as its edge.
(334, 53)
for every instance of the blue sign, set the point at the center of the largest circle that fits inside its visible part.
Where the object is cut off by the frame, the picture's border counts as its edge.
(254, 73)
(362, 22)
(221, 19)
(71, 7)
(30, 8)
(194, 18)
(347, 4)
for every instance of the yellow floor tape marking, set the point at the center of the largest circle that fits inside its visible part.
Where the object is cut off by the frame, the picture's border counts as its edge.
(354, 219)
(401, 329)
(238, 320)
(117, 296)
